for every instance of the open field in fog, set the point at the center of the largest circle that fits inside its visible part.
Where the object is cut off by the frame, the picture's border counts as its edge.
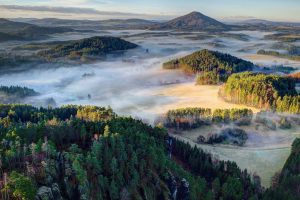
(191, 95)
(264, 153)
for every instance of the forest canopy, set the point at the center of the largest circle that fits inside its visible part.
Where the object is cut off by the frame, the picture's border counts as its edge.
(262, 91)
(187, 118)
(14, 94)
(219, 64)
(88, 152)
(94, 46)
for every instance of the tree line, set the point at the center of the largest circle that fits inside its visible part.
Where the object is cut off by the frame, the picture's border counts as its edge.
(186, 118)
(270, 92)
(17, 91)
(291, 56)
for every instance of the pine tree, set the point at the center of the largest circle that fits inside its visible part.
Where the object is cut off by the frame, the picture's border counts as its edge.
(106, 132)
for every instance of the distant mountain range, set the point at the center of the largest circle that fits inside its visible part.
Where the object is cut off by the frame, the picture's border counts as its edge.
(29, 28)
(99, 24)
(194, 21)
(268, 23)
(10, 30)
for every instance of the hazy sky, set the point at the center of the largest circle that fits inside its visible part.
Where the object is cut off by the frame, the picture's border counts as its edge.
(283, 10)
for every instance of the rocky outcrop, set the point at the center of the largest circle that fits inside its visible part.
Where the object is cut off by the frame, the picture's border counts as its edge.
(56, 192)
(49, 193)
(44, 193)
(183, 190)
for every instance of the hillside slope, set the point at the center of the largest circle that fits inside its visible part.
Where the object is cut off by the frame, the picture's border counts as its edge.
(211, 67)
(10, 30)
(94, 46)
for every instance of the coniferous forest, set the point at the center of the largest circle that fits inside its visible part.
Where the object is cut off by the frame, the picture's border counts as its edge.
(212, 67)
(187, 118)
(271, 92)
(134, 100)
(77, 152)
(86, 152)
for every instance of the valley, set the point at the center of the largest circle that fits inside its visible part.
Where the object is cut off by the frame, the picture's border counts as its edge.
(88, 76)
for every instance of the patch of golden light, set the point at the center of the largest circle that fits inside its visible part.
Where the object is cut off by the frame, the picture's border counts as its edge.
(191, 95)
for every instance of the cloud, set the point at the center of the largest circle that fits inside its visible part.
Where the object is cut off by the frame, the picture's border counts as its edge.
(73, 12)
(67, 10)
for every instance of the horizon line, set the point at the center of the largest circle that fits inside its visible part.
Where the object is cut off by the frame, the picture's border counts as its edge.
(126, 15)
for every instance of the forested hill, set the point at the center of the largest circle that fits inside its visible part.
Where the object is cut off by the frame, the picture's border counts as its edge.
(206, 61)
(194, 21)
(10, 30)
(87, 152)
(262, 91)
(15, 94)
(94, 46)
(285, 185)
(17, 91)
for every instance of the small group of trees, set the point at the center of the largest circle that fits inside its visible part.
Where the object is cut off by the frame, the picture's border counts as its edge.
(186, 118)
(234, 136)
(17, 186)
(210, 78)
(291, 54)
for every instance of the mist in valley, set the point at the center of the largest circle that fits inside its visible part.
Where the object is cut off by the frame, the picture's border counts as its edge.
(134, 83)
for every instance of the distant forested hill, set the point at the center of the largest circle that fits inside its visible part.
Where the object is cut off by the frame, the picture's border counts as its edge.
(280, 55)
(10, 30)
(94, 46)
(15, 94)
(7, 37)
(211, 66)
(194, 21)
(262, 91)
(110, 24)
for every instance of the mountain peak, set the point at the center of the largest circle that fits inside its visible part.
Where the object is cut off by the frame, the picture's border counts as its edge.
(194, 21)
(195, 13)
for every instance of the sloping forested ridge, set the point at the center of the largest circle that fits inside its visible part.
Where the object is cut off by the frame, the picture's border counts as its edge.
(93, 46)
(286, 184)
(262, 91)
(211, 66)
(77, 152)
(10, 30)
(17, 91)
(14, 94)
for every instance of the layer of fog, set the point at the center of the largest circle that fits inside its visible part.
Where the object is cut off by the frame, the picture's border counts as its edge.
(135, 84)
(264, 152)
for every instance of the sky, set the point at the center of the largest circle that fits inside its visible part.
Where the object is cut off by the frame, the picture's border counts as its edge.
(276, 10)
